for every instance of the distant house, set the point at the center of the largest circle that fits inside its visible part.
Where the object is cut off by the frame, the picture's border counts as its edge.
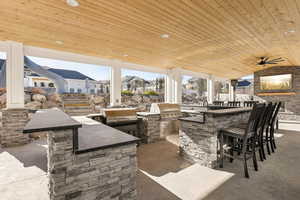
(76, 81)
(196, 86)
(134, 84)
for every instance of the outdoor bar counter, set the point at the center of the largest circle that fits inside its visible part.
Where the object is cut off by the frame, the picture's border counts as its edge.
(86, 161)
(198, 135)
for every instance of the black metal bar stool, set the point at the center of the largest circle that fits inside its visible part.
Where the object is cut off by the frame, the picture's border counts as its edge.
(242, 141)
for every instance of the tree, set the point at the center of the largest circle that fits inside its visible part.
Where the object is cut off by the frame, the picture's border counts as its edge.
(201, 86)
(128, 86)
(218, 89)
(160, 84)
(101, 89)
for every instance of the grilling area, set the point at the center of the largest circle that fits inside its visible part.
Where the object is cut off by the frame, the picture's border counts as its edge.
(118, 140)
(149, 100)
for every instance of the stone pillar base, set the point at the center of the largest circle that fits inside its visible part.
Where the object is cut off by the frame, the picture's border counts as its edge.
(101, 174)
(13, 123)
(149, 127)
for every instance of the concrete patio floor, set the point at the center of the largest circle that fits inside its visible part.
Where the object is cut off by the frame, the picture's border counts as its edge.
(164, 175)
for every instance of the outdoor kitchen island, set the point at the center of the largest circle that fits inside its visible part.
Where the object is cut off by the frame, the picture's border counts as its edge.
(86, 161)
(198, 136)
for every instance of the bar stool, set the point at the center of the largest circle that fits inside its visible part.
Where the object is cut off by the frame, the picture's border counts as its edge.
(218, 103)
(271, 128)
(243, 141)
(234, 103)
(249, 103)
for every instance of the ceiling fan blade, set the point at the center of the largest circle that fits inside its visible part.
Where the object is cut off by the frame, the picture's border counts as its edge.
(277, 59)
(271, 62)
(266, 59)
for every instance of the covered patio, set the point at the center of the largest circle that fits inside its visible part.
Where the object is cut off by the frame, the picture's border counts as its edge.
(170, 141)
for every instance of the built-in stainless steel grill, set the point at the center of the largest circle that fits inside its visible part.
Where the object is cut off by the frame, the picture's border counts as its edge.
(166, 110)
(169, 115)
(123, 119)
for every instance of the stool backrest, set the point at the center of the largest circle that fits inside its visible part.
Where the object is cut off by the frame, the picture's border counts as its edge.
(265, 118)
(275, 113)
(234, 103)
(218, 103)
(250, 103)
(253, 122)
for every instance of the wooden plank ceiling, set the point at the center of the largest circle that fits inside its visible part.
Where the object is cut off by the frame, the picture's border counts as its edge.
(219, 37)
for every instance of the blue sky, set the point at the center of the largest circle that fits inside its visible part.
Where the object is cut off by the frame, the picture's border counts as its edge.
(185, 79)
(2, 55)
(97, 72)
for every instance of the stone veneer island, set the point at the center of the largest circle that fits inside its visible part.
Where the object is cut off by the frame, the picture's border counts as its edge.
(86, 161)
(198, 136)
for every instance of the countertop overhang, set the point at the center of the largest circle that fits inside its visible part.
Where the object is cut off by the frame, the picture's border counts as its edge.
(87, 137)
(228, 111)
(192, 119)
(50, 119)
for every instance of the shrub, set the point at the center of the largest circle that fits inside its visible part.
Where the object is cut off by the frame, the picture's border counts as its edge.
(127, 92)
(151, 92)
(37, 91)
(2, 91)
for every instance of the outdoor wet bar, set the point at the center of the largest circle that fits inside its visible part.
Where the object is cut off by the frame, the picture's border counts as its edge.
(198, 135)
(86, 161)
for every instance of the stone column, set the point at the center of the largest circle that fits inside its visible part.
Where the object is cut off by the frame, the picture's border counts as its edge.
(115, 86)
(149, 127)
(60, 157)
(15, 75)
(108, 173)
(13, 122)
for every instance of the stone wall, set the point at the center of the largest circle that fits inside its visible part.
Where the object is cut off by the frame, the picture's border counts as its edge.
(292, 102)
(102, 174)
(13, 121)
(198, 142)
(149, 127)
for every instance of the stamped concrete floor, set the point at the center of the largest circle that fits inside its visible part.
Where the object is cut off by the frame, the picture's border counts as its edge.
(23, 172)
(164, 175)
(278, 177)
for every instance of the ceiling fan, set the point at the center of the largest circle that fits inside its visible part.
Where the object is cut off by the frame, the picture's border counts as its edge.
(267, 61)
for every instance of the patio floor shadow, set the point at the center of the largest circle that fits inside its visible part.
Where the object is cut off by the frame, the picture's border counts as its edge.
(278, 177)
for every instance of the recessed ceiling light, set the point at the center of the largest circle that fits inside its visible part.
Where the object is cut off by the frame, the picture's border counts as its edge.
(125, 55)
(59, 42)
(290, 31)
(73, 3)
(164, 36)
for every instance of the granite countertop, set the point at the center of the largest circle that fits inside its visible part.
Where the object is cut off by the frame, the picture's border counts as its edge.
(193, 111)
(228, 111)
(50, 119)
(146, 113)
(95, 115)
(193, 105)
(193, 119)
(92, 135)
(100, 136)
